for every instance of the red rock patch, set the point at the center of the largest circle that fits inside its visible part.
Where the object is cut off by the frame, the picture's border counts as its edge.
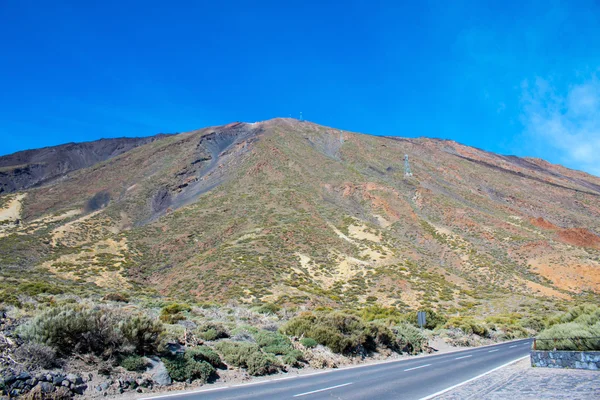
(542, 223)
(579, 237)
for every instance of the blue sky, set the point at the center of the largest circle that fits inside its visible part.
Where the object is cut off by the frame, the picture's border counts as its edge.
(511, 77)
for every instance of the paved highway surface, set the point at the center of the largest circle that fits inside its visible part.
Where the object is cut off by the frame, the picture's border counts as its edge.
(416, 378)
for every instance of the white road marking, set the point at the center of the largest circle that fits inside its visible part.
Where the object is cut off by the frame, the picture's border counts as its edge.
(186, 393)
(458, 358)
(324, 389)
(514, 345)
(183, 393)
(491, 351)
(420, 366)
(431, 396)
(259, 382)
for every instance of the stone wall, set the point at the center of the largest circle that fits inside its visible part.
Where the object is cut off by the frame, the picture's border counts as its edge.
(566, 359)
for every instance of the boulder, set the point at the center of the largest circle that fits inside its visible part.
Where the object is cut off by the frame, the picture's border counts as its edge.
(159, 373)
(74, 378)
(57, 379)
(79, 389)
(46, 387)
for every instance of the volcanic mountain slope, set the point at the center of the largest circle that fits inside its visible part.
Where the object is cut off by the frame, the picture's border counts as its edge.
(298, 213)
(29, 168)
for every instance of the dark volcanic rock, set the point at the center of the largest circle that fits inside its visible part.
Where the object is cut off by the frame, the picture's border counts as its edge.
(31, 168)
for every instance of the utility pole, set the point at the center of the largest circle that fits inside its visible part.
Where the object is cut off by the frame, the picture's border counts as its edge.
(407, 171)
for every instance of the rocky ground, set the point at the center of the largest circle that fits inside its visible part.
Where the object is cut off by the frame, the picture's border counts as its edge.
(521, 381)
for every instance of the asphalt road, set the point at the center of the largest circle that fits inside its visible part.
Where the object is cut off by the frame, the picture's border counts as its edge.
(404, 379)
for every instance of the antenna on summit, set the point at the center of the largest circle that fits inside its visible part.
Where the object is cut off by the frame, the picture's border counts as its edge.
(407, 171)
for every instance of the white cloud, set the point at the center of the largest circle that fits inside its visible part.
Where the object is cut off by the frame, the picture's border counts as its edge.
(568, 122)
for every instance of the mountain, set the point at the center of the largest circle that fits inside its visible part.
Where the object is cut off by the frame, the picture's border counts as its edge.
(30, 168)
(297, 213)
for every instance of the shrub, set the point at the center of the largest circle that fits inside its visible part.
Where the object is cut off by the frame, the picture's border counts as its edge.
(293, 358)
(212, 331)
(577, 329)
(259, 364)
(73, 329)
(171, 314)
(134, 363)
(379, 335)
(587, 314)
(468, 325)
(35, 288)
(268, 308)
(118, 297)
(432, 319)
(273, 342)
(142, 332)
(409, 338)
(205, 353)
(249, 356)
(182, 368)
(308, 342)
(536, 323)
(570, 336)
(341, 332)
(377, 312)
(36, 355)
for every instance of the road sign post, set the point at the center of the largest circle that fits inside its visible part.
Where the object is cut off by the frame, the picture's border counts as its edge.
(421, 319)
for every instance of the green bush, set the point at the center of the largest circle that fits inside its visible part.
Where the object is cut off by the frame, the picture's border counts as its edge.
(182, 368)
(308, 342)
(249, 356)
(134, 363)
(586, 313)
(118, 297)
(409, 338)
(509, 325)
(536, 323)
(142, 332)
(432, 319)
(172, 313)
(468, 325)
(71, 329)
(212, 331)
(294, 358)
(35, 288)
(379, 335)
(74, 328)
(341, 332)
(268, 308)
(377, 312)
(577, 329)
(273, 342)
(570, 336)
(205, 353)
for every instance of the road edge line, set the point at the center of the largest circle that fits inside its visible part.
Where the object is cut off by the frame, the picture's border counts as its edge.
(441, 392)
(154, 396)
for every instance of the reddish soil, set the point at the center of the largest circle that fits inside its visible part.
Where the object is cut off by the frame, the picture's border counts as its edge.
(542, 223)
(579, 237)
